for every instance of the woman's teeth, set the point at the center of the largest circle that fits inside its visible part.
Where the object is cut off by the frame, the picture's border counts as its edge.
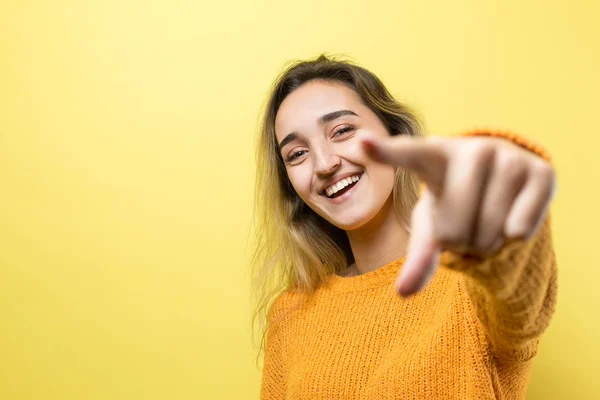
(333, 189)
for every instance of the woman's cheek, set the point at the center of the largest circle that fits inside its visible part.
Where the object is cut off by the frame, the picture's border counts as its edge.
(301, 182)
(354, 151)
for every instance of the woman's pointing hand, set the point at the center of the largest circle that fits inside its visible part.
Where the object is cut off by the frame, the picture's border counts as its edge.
(481, 193)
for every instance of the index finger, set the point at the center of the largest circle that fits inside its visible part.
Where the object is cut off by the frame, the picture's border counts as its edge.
(426, 158)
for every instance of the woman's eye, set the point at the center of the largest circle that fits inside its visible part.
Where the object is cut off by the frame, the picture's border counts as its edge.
(295, 155)
(343, 130)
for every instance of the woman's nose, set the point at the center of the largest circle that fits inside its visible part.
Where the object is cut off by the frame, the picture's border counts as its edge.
(326, 161)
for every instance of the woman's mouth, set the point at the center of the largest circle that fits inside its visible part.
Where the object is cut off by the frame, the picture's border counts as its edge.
(343, 189)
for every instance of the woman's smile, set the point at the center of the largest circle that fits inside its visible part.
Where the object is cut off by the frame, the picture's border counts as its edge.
(343, 190)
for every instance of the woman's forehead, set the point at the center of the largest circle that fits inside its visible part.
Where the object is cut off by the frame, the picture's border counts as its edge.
(305, 105)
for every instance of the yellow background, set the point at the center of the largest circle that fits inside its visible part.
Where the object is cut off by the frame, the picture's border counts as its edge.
(126, 172)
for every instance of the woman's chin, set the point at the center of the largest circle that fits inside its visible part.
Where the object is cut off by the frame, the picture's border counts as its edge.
(350, 224)
(355, 218)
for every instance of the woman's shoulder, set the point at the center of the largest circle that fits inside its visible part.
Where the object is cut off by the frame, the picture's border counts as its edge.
(284, 301)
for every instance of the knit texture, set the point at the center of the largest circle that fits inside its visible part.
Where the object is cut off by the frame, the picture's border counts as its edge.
(471, 333)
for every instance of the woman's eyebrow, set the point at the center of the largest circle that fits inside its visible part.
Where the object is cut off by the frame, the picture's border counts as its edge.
(289, 138)
(333, 115)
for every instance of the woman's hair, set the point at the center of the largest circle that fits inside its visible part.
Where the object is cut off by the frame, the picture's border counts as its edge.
(294, 248)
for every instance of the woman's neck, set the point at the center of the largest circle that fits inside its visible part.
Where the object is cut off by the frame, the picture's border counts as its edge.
(377, 243)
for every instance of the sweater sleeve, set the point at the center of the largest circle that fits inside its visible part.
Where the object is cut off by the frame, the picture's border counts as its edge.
(513, 292)
(275, 369)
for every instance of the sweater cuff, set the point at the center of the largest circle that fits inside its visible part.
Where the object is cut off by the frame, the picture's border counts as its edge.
(522, 141)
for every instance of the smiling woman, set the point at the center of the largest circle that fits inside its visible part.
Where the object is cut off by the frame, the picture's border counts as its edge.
(326, 120)
(340, 213)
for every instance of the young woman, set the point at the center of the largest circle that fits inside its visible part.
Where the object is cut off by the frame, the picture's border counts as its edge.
(403, 267)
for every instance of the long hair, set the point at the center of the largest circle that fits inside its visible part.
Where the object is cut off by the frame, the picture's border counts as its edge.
(294, 248)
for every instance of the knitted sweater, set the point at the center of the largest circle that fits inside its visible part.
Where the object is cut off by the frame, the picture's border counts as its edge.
(471, 333)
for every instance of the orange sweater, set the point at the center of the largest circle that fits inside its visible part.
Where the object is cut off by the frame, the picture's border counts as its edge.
(466, 335)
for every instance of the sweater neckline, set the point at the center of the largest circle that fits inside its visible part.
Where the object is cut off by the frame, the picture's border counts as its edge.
(386, 274)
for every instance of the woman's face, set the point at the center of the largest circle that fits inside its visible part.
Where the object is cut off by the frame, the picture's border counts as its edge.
(318, 128)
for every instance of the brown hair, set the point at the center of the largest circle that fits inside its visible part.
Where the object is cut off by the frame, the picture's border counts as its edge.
(295, 249)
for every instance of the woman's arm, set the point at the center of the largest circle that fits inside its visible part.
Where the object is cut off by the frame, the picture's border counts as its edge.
(483, 212)
(513, 293)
